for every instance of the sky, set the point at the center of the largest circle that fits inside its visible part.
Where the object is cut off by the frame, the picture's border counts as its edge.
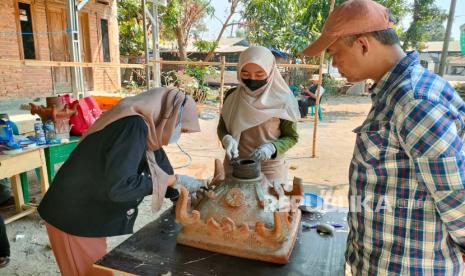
(214, 26)
(459, 19)
(222, 5)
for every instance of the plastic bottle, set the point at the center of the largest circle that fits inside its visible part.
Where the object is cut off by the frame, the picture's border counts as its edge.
(50, 133)
(6, 130)
(39, 132)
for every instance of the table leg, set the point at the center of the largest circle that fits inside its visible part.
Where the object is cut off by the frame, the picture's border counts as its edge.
(43, 179)
(17, 192)
(43, 175)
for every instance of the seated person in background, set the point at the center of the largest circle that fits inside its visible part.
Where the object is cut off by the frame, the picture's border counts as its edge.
(309, 97)
(295, 90)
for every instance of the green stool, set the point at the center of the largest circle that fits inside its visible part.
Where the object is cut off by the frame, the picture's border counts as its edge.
(57, 154)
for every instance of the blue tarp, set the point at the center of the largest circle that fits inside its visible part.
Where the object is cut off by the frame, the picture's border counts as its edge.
(278, 53)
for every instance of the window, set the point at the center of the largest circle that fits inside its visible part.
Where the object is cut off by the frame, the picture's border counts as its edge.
(27, 36)
(105, 40)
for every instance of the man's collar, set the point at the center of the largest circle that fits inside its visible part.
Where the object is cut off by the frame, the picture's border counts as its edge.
(410, 59)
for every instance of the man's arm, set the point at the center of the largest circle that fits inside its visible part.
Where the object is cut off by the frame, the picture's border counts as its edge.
(308, 93)
(428, 132)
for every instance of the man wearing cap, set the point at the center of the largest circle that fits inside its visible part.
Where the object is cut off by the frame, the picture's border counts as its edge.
(407, 174)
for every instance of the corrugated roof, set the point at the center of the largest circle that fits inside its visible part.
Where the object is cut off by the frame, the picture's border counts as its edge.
(456, 60)
(225, 45)
(230, 49)
(436, 46)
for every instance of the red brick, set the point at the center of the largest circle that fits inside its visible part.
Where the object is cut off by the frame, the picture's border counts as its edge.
(36, 81)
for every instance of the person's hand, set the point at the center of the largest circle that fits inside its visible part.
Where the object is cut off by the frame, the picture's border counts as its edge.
(231, 146)
(264, 152)
(190, 183)
(463, 258)
(171, 180)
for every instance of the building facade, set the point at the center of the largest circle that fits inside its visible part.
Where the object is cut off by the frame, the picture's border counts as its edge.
(38, 30)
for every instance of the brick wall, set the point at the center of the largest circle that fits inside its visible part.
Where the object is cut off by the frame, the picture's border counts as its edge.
(105, 79)
(22, 81)
(27, 82)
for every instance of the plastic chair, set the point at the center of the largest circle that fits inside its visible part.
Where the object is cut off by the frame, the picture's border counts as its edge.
(320, 112)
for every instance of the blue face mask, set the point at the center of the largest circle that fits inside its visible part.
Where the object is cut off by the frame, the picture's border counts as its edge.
(176, 135)
(177, 130)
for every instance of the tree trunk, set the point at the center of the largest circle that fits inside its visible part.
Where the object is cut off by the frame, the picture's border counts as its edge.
(234, 4)
(181, 44)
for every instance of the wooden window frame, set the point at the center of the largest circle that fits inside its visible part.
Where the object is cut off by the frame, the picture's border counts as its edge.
(31, 4)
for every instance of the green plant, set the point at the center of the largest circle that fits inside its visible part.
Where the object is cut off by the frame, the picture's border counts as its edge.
(200, 73)
(331, 85)
(205, 46)
(191, 81)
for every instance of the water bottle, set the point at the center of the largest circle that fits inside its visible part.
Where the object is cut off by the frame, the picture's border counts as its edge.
(50, 133)
(6, 130)
(39, 132)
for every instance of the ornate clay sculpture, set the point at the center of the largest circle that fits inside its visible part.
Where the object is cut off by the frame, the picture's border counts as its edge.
(241, 216)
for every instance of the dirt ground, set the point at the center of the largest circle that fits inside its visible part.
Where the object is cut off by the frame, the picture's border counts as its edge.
(327, 173)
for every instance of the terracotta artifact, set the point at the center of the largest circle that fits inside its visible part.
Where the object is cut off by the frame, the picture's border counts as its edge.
(241, 216)
(55, 111)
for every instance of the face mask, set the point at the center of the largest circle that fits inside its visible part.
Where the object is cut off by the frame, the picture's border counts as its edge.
(177, 130)
(254, 84)
(176, 135)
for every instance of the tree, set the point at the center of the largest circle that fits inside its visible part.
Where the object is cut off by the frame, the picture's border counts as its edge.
(232, 11)
(435, 29)
(425, 14)
(290, 25)
(131, 32)
(287, 25)
(180, 17)
(240, 33)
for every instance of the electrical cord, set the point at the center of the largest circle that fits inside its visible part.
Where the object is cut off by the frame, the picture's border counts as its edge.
(189, 162)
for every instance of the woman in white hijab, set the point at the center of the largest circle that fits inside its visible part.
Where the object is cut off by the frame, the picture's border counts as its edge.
(259, 118)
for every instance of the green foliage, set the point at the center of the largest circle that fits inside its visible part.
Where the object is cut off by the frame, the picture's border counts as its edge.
(435, 29)
(331, 85)
(290, 25)
(180, 17)
(205, 46)
(191, 80)
(169, 19)
(427, 19)
(284, 24)
(240, 33)
(131, 31)
(200, 73)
